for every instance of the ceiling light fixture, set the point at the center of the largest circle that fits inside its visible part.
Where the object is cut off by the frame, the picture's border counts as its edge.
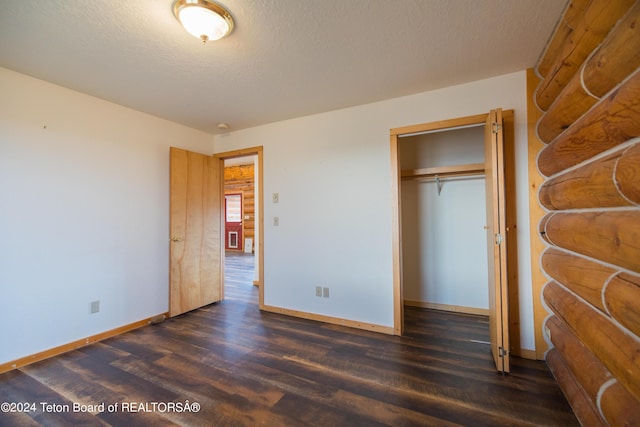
(203, 19)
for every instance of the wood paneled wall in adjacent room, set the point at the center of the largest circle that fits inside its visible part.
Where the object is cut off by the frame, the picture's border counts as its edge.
(589, 127)
(241, 179)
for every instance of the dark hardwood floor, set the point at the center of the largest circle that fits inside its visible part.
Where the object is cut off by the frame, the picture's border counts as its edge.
(239, 367)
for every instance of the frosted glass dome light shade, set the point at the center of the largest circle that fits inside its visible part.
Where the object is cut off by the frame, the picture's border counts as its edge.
(203, 19)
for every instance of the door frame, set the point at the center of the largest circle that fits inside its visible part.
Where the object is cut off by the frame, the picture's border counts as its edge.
(437, 126)
(259, 245)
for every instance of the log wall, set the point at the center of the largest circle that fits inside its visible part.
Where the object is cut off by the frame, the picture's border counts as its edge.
(589, 126)
(240, 179)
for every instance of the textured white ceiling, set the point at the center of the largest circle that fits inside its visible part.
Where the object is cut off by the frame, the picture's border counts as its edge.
(284, 59)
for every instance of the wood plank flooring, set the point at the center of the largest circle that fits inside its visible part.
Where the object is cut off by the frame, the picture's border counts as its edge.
(247, 368)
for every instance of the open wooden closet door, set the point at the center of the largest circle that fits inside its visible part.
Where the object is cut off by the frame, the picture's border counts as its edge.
(195, 267)
(496, 239)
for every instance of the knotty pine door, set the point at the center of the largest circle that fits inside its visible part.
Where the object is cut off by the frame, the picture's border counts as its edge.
(195, 268)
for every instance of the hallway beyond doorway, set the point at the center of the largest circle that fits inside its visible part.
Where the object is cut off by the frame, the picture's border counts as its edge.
(239, 274)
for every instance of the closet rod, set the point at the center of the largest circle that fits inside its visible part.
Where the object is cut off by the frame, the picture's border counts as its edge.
(444, 171)
(445, 178)
(441, 179)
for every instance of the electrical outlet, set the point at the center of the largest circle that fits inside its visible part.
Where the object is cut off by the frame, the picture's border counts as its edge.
(94, 307)
(318, 291)
(325, 292)
(275, 197)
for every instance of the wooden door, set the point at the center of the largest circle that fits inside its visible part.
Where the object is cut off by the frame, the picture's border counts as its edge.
(496, 240)
(195, 270)
(233, 221)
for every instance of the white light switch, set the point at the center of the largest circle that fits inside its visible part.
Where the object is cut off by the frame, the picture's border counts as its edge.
(276, 221)
(275, 197)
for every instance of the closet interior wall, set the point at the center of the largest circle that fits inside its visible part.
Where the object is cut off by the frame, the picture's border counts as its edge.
(589, 162)
(444, 250)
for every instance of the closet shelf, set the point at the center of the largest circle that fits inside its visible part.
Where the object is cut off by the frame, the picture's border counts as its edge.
(444, 171)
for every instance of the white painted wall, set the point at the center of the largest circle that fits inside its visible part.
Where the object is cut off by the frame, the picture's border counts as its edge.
(444, 243)
(84, 196)
(84, 207)
(332, 173)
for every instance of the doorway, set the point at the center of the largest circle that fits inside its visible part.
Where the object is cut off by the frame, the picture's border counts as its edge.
(243, 235)
(196, 222)
(493, 127)
(240, 220)
(233, 220)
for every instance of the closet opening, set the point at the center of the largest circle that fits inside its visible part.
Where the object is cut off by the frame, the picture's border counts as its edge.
(444, 250)
(454, 223)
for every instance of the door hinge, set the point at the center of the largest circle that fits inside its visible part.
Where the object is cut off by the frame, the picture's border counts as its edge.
(502, 352)
(499, 238)
(496, 127)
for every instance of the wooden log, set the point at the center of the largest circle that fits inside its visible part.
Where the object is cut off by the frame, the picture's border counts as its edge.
(612, 62)
(617, 57)
(628, 174)
(585, 412)
(582, 276)
(566, 25)
(590, 186)
(542, 228)
(622, 299)
(617, 350)
(235, 185)
(586, 368)
(612, 121)
(594, 25)
(610, 181)
(618, 407)
(570, 104)
(612, 236)
(239, 172)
